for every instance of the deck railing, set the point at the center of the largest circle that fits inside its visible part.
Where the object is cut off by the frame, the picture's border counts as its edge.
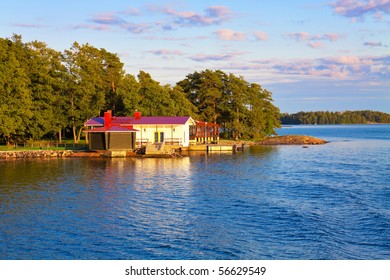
(173, 141)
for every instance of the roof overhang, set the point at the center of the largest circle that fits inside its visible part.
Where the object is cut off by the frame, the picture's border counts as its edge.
(116, 129)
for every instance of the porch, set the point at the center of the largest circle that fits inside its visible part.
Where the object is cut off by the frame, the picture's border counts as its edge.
(204, 133)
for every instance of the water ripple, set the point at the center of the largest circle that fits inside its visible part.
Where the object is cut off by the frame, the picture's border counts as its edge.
(324, 202)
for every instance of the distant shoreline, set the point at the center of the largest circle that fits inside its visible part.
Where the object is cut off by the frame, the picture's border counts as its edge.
(335, 118)
(308, 124)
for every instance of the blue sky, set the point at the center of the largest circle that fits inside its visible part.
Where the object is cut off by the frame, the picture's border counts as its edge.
(312, 55)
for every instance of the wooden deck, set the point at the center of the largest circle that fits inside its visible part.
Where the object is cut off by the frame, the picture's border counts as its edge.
(215, 148)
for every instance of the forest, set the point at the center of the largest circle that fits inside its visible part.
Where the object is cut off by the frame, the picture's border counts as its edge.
(47, 94)
(346, 117)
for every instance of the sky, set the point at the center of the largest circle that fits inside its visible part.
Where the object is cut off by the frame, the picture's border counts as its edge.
(312, 55)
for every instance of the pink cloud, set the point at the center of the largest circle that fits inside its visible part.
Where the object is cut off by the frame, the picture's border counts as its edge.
(299, 36)
(358, 9)
(215, 57)
(218, 11)
(26, 25)
(132, 12)
(211, 16)
(230, 35)
(116, 19)
(347, 60)
(97, 27)
(174, 38)
(341, 67)
(108, 18)
(332, 37)
(165, 52)
(261, 36)
(373, 44)
(304, 36)
(136, 27)
(316, 45)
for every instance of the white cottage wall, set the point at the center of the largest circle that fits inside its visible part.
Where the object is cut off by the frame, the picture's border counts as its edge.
(171, 134)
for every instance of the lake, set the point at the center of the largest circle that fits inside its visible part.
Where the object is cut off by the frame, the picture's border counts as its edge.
(274, 202)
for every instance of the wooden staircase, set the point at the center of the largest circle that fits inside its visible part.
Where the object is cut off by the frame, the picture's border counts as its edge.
(158, 149)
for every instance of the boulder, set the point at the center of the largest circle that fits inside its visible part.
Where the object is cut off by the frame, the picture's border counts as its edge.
(292, 140)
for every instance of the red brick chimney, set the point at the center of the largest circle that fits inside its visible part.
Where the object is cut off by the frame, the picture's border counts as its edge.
(108, 118)
(137, 115)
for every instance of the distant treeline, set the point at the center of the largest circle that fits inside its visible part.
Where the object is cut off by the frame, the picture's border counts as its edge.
(347, 117)
(46, 94)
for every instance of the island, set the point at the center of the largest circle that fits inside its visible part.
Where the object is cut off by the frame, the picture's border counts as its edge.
(292, 140)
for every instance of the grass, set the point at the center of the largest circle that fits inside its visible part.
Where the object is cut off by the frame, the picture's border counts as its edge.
(11, 148)
(66, 144)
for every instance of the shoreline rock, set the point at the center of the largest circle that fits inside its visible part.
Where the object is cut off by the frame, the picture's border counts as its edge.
(275, 140)
(292, 140)
(35, 154)
(279, 140)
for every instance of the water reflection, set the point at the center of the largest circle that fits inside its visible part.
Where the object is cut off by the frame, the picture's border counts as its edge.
(166, 173)
(125, 207)
(264, 202)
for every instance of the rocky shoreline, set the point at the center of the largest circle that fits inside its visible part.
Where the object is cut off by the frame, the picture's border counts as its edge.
(35, 154)
(48, 154)
(275, 140)
(292, 140)
(280, 140)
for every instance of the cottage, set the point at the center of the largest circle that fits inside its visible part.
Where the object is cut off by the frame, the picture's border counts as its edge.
(110, 132)
(107, 134)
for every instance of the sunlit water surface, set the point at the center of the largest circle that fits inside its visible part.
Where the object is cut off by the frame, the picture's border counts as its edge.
(283, 202)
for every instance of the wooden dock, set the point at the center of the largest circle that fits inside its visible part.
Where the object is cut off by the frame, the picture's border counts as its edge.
(152, 150)
(216, 148)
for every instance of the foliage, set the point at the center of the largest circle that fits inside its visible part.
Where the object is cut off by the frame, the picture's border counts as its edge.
(347, 117)
(244, 109)
(15, 94)
(45, 93)
(91, 85)
(45, 70)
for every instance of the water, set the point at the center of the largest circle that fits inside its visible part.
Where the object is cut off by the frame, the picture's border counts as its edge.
(324, 202)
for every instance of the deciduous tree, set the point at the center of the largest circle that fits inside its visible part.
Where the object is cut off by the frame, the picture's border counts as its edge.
(93, 75)
(15, 94)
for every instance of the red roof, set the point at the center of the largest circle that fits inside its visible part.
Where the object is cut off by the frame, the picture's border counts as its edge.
(159, 120)
(97, 121)
(114, 128)
(120, 121)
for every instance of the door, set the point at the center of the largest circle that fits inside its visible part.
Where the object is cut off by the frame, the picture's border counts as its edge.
(158, 137)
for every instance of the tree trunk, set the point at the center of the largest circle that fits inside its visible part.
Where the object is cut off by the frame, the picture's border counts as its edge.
(79, 134)
(60, 135)
(74, 133)
(237, 126)
(215, 113)
(7, 141)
